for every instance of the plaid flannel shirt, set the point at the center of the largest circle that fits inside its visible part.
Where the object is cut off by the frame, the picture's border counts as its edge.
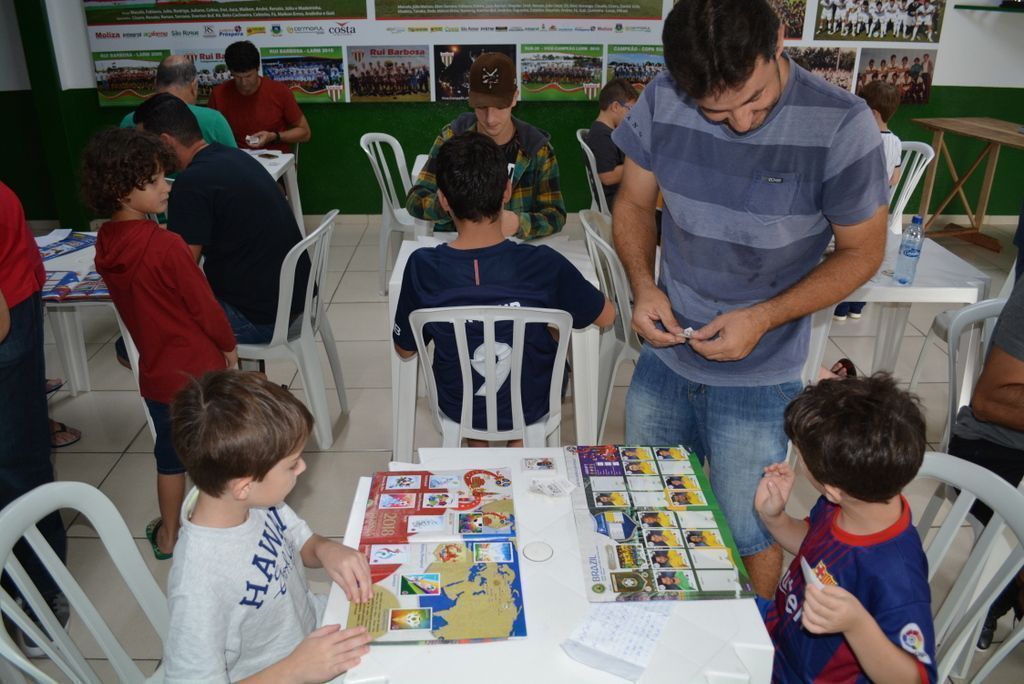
(536, 193)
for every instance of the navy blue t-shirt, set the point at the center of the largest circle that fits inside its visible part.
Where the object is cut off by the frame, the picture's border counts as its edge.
(507, 274)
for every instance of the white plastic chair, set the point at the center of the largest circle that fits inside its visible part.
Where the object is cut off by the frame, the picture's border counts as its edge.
(19, 520)
(914, 160)
(547, 431)
(598, 202)
(959, 616)
(394, 218)
(619, 343)
(133, 361)
(301, 349)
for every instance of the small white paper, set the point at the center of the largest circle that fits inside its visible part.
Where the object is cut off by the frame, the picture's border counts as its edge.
(809, 576)
(556, 486)
(53, 236)
(617, 638)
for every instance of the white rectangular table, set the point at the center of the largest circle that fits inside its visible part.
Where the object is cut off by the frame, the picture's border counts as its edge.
(703, 641)
(585, 348)
(280, 164)
(942, 277)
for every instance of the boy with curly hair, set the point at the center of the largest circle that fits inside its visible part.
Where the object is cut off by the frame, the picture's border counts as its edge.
(160, 293)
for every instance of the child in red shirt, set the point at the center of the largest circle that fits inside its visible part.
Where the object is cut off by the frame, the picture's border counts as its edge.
(159, 292)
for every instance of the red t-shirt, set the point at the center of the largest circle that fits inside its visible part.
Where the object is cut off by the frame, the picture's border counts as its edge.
(21, 267)
(166, 303)
(271, 108)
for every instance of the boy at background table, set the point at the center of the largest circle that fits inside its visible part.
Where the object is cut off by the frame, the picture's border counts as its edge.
(158, 290)
(240, 607)
(865, 611)
(482, 268)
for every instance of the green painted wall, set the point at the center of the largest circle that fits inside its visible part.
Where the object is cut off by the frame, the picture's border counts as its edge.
(334, 172)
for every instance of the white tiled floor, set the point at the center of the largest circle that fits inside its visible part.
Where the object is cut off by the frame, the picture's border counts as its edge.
(115, 451)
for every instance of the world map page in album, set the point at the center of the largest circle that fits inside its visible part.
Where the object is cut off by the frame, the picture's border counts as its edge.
(650, 528)
(443, 558)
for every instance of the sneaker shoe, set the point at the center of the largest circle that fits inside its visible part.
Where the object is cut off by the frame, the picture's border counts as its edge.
(61, 610)
(121, 353)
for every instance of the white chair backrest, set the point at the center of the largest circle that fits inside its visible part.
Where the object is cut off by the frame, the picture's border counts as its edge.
(393, 194)
(985, 312)
(914, 160)
(494, 374)
(597, 229)
(964, 606)
(318, 246)
(19, 520)
(598, 202)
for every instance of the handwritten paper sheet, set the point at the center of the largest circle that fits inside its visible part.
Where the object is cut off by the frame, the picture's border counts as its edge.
(617, 638)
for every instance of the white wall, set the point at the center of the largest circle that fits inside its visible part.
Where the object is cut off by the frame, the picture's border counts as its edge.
(13, 74)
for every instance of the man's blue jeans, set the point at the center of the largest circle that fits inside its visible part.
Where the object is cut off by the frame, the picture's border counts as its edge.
(25, 431)
(738, 430)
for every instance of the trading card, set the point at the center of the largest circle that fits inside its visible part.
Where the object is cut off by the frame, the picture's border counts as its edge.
(402, 482)
(630, 556)
(445, 482)
(492, 552)
(611, 499)
(485, 523)
(696, 519)
(819, 576)
(668, 558)
(663, 537)
(615, 524)
(451, 553)
(425, 523)
(629, 582)
(640, 468)
(388, 554)
(675, 580)
(635, 454)
(397, 501)
(428, 584)
(675, 467)
(656, 518)
(409, 618)
(598, 460)
(538, 464)
(681, 482)
(703, 539)
(711, 559)
(438, 500)
(670, 454)
(684, 497)
(646, 483)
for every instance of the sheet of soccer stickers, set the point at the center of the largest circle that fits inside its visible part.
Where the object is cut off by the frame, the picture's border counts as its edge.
(650, 527)
(443, 557)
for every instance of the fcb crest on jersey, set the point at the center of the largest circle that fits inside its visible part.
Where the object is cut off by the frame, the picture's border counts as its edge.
(822, 573)
(912, 641)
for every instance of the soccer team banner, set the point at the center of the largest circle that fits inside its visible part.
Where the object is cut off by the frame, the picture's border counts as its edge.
(338, 51)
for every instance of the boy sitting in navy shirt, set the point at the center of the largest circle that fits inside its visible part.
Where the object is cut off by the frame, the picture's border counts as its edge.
(863, 441)
(481, 268)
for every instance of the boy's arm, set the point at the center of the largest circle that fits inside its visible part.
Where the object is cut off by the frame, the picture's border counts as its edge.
(348, 568)
(321, 656)
(770, 503)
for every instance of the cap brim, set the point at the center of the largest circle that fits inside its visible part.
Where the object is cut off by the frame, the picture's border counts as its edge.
(489, 100)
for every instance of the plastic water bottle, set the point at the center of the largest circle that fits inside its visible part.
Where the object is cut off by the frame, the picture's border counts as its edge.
(910, 252)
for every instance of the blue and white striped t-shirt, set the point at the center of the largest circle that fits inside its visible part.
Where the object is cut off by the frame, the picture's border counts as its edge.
(748, 215)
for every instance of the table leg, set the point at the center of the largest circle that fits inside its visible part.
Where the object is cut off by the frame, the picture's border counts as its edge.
(986, 185)
(929, 179)
(891, 323)
(291, 181)
(67, 333)
(403, 406)
(585, 361)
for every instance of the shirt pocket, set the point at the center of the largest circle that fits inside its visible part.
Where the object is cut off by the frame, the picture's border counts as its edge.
(771, 195)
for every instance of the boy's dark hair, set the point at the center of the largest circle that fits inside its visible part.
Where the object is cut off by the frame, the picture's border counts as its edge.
(711, 46)
(230, 424)
(863, 435)
(883, 97)
(119, 160)
(472, 173)
(242, 56)
(617, 90)
(165, 113)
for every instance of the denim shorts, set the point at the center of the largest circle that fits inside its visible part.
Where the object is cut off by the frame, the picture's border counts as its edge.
(167, 462)
(247, 332)
(739, 430)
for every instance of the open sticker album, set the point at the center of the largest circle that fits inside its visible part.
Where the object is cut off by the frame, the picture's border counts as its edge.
(650, 528)
(443, 558)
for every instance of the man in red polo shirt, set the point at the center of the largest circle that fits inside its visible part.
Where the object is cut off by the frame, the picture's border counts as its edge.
(262, 112)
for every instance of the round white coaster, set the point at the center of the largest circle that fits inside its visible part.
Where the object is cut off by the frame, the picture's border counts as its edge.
(538, 551)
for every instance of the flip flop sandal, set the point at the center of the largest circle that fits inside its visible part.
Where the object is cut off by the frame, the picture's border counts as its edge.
(53, 385)
(151, 530)
(851, 370)
(62, 428)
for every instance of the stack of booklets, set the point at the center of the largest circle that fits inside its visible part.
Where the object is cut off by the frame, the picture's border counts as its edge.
(443, 556)
(72, 243)
(61, 286)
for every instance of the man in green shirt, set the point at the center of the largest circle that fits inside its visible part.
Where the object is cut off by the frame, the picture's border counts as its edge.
(177, 75)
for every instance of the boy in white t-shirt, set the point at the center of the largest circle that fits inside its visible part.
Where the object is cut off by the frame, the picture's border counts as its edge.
(884, 99)
(240, 606)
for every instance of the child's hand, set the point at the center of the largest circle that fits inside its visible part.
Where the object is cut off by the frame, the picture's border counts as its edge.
(773, 490)
(830, 610)
(349, 569)
(231, 358)
(328, 652)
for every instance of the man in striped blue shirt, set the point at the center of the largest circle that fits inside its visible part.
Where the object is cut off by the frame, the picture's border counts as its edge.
(760, 163)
